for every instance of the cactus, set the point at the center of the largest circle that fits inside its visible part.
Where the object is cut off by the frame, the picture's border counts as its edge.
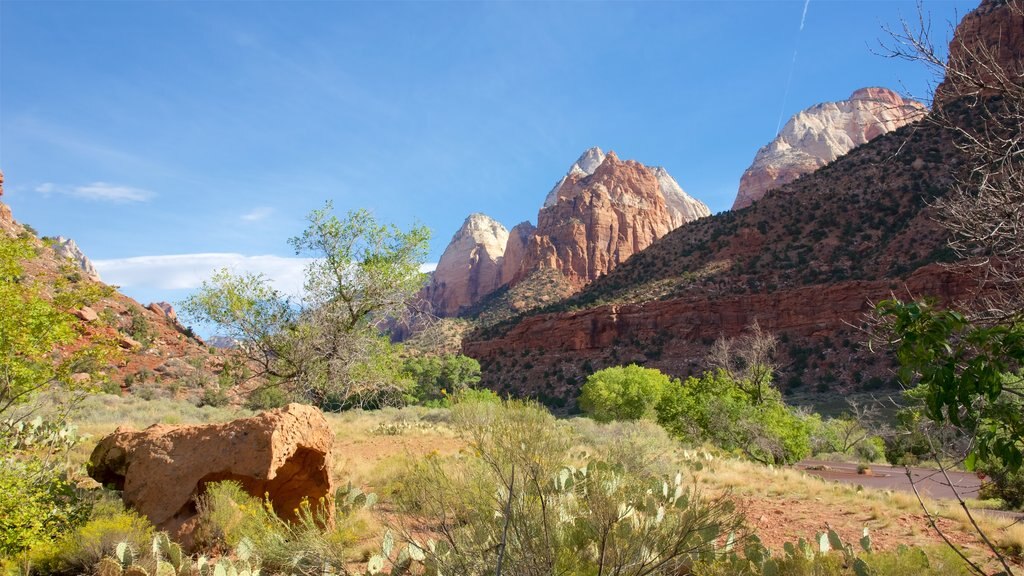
(108, 566)
(135, 570)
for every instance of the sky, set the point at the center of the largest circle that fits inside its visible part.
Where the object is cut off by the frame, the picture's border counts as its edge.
(169, 139)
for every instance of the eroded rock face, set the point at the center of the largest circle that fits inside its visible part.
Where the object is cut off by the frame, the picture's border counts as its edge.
(682, 207)
(284, 453)
(67, 249)
(822, 133)
(470, 267)
(515, 250)
(598, 221)
(988, 47)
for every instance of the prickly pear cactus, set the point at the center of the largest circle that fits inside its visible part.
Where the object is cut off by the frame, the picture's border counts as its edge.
(108, 567)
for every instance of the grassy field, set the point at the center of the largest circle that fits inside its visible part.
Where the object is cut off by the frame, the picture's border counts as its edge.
(372, 449)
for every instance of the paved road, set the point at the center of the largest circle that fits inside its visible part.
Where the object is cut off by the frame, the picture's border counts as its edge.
(929, 482)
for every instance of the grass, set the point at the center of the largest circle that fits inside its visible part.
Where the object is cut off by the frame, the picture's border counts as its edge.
(372, 448)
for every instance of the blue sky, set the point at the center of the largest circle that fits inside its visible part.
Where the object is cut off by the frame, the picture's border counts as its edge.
(208, 130)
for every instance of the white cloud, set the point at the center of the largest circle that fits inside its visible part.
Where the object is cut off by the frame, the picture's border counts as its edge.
(99, 191)
(187, 271)
(257, 214)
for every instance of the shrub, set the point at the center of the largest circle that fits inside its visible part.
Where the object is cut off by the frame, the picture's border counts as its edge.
(109, 524)
(437, 377)
(716, 409)
(623, 393)
(37, 504)
(266, 398)
(1003, 483)
(518, 501)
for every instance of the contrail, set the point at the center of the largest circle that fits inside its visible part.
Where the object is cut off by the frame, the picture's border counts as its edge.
(792, 66)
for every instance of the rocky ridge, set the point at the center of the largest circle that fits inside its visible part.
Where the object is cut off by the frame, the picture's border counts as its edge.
(599, 214)
(67, 248)
(803, 264)
(987, 48)
(821, 134)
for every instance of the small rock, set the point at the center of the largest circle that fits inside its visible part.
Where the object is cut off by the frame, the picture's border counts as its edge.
(87, 314)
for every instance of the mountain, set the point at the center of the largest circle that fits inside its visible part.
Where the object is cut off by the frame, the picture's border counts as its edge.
(470, 267)
(602, 211)
(805, 262)
(155, 353)
(820, 134)
(985, 52)
(67, 248)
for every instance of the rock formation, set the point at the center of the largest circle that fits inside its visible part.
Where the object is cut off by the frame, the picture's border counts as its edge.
(682, 207)
(285, 454)
(598, 221)
(470, 267)
(987, 50)
(601, 212)
(515, 250)
(67, 249)
(822, 133)
(6, 218)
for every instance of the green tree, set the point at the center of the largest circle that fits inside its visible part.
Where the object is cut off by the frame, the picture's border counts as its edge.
(327, 347)
(440, 377)
(623, 393)
(716, 409)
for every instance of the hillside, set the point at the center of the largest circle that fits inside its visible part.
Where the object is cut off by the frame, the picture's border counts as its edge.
(155, 356)
(804, 262)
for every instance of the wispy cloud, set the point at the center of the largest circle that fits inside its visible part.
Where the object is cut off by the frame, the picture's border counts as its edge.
(99, 192)
(257, 214)
(804, 16)
(188, 271)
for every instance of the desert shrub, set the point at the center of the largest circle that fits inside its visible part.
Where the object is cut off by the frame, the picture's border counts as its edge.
(37, 503)
(516, 499)
(845, 436)
(623, 393)
(471, 395)
(1003, 483)
(309, 545)
(266, 398)
(716, 409)
(639, 446)
(109, 525)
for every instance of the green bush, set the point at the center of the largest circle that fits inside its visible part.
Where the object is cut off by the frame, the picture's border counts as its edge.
(266, 398)
(437, 378)
(716, 409)
(37, 504)
(1003, 483)
(623, 393)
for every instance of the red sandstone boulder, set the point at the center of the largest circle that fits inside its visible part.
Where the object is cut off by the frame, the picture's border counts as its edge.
(284, 453)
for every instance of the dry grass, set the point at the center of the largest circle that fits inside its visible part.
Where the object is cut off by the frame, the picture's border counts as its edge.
(372, 448)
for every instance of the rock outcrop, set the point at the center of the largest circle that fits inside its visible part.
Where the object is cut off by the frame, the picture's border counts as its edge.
(682, 207)
(7, 223)
(986, 52)
(515, 250)
(820, 134)
(67, 249)
(583, 166)
(597, 221)
(285, 454)
(470, 267)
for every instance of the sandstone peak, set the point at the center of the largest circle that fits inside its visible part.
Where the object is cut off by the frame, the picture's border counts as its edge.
(986, 52)
(585, 165)
(67, 249)
(470, 267)
(515, 250)
(682, 207)
(818, 135)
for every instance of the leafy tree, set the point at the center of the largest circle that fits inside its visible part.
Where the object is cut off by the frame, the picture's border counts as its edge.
(623, 393)
(326, 347)
(439, 377)
(715, 408)
(747, 359)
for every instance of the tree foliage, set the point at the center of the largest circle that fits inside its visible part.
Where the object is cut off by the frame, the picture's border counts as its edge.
(439, 377)
(623, 393)
(716, 409)
(326, 346)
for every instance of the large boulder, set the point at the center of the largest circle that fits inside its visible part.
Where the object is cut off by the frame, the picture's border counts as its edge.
(284, 454)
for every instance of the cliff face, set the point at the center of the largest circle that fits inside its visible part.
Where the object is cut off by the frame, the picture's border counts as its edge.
(804, 264)
(515, 250)
(67, 248)
(821, 134)
(986, 54)
(470, 267)
(597, 221)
